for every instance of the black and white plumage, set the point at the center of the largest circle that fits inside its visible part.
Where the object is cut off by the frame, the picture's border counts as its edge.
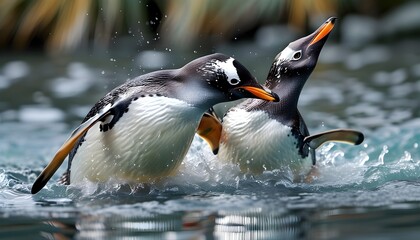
(260, 135)
(141, 130)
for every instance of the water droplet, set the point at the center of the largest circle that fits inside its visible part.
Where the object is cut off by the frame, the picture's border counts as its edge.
(364, 157)
(382, 155)
(406, 158)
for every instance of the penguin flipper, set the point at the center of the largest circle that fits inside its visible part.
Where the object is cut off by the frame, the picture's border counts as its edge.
(313, 155)
(210, 129)
(64, 150)
(337, 135)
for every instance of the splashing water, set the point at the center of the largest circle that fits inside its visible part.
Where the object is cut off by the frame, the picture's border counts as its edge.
(368, 183)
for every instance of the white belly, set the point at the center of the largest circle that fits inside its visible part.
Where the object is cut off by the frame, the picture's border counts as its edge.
(147, 142)
(258, 143)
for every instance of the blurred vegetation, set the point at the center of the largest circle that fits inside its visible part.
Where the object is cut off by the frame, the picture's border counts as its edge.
(64, 25)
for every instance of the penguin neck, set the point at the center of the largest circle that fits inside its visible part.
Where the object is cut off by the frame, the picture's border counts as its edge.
(288, 91)
(196, 92)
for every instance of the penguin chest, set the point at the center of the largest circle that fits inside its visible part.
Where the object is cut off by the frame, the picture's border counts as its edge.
(148, 141)
(256, 143)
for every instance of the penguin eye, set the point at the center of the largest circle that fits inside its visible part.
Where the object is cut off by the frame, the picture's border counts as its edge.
(297, 55)
(233, 81)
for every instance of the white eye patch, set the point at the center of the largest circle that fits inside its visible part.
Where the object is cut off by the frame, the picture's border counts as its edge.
(230, 70)
(289, 54)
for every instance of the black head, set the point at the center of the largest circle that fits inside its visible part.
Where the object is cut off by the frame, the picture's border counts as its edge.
(297, 61)
(225, 79)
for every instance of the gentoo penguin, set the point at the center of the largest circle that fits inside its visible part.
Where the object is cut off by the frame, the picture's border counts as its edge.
(141, 130)
(259, 135)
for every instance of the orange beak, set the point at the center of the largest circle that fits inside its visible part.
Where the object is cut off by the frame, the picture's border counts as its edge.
(261, 93)
(324, 30)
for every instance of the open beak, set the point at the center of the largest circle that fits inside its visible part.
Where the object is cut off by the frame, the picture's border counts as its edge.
(260, 93)
(324, 30)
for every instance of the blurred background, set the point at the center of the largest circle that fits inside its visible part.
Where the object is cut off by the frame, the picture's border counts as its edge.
(68, 25)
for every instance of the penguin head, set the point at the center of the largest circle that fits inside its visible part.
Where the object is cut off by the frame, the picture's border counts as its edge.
(298, 60)
(222, 78)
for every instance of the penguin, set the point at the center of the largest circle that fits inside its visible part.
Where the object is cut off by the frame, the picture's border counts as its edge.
(141, 130)
(259, 135)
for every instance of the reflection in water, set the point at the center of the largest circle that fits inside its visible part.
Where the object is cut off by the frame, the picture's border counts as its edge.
(34, 228)
(254, 223)
(400, 222)
(258, 223)
(94, 227)
(59, 229)
(178, 225)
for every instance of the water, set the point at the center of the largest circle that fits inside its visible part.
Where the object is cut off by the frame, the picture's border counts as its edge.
(369, 191)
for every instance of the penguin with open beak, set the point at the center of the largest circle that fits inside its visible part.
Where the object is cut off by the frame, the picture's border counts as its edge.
(259, 135)
(142, 130)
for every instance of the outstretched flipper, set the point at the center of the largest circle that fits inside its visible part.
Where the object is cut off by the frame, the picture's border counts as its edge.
(64, 150)
(210, 129)
(337, 135)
